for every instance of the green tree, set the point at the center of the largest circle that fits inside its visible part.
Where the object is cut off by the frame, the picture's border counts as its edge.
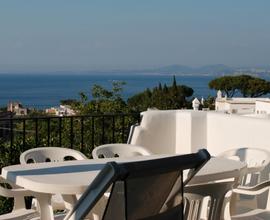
(71, 102)
(161, 97)
(247, 85)
(209, 102)
(104, 100)
(227, 84)
(255, 87)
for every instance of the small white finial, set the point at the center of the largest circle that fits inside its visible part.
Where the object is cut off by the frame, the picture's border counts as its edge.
(195, 104)
(202, 101)
(219, 94)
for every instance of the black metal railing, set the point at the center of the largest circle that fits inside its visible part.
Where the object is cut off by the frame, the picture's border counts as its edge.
(82, 132)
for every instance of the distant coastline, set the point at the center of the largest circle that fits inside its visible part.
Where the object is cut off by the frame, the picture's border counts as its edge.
(46, 90)
(180, 70)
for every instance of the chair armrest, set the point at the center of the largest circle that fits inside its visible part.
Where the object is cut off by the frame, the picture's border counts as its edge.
(255, 169)
(254, 190)
(131, 131)
(14, 192)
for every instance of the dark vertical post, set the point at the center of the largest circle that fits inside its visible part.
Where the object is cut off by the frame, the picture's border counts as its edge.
(24, 144)
(123, 128)
(60, 131)
(138, 116)
(93, 132)
(113, 129)
(103, 129)
(71, 132)
(82, 132)
(11, 132)
(48, 131)
(36, 131)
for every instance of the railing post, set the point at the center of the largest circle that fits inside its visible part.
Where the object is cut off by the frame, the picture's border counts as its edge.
(93, 131)
(36, 131)
(113, 129)
(138, 118)
(71, 132)
(103, 129)
(48, 131)
(24, 144)
(123, 128)
(82, 132)
(60, 131)
(11, 132)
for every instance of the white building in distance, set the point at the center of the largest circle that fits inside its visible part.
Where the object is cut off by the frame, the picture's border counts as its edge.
(262, 106)
(242, 106)
(62, 110)
(17, 108)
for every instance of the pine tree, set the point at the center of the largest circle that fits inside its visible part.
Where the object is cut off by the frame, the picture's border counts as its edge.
(159, 87)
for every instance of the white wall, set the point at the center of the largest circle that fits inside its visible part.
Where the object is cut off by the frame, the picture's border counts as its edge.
(262, 107)
(198, 134)
(235, 105)
(182, 131)
(233, 131)
(171, 131)
(240, 108)
(219, 105)
(156, 132)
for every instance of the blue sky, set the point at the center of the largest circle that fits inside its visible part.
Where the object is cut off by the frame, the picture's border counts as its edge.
(125, 34)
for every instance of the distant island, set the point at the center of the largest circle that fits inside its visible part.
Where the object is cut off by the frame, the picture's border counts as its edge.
(207, 70)
(176, 69)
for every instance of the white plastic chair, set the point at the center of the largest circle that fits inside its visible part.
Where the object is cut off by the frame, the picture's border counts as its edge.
(256, 213)
(19, 210)
(51, 154)
(119, 150)
(257, 161)
(206, 201)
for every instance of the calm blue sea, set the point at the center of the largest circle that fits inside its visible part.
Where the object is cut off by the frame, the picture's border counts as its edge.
(46, 90)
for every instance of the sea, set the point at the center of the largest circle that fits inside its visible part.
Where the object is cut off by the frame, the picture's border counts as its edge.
(42, 91)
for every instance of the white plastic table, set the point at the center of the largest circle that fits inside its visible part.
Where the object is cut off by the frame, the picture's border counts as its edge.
(73, 177)
(69, 178)
(218, 168)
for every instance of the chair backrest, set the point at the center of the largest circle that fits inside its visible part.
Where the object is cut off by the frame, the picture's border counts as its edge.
(50, 154)
(256, 160)
(119, 150)
(146, 190)
(206, 201)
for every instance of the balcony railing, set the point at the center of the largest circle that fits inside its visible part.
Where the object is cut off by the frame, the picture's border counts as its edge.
(81, 132)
